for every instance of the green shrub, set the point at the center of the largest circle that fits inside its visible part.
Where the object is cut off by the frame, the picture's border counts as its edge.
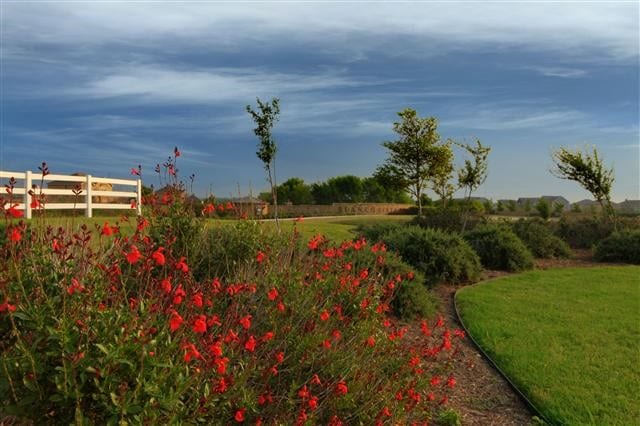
(450, 219)
(224, 248)
(540, 240)
(621, 246)
(373, 232)
(411, 298)
(586, 232)
(499, 248)
(440, 256)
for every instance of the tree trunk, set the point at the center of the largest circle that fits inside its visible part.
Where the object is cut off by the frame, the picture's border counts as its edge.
(274, 194)
(466, 213)
(419, 197)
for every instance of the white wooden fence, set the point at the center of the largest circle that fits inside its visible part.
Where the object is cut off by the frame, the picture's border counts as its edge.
(28, 178)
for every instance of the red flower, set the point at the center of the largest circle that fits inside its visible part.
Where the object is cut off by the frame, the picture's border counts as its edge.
(260, 257)
(182, 266)
(245, 322)
(134, 255)
(435, 381)
(176, 321)
(222, 386)
(239, 417)
(75, 286)
(385, 412)
(191, 352)
(313, 402)
(200, 324)
(166, 285)
(14, 212)
(440, 322)
(272, 294)
(268, 336)
(216, 348)
(341, 388)
(451, 381)
(196, 299)
(281, 307)
(178, 295)
(326, 344)
(142, 222)
(35, 203)
(6, 306)
(315, 380)
(135, 172)
(250, 344)
(158, 256)
(106, 230)
(280, 357)
(176, 152)
(15, 235)
(324, 315)
(371, 342)
(304, 392)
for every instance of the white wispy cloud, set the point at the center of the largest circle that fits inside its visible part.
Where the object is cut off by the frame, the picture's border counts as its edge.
(574, 28)
(562, 72)
(155, 83)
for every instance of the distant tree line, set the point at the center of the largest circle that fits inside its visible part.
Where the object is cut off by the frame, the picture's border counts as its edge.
(339, 189)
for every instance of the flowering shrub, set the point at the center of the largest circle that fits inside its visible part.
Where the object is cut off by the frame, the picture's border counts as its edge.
(100, 327)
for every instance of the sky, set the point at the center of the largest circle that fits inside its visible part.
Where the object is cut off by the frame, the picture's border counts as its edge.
(100, 87)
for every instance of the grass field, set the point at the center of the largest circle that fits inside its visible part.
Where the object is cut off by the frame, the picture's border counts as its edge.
(568, 338)
(335, 228)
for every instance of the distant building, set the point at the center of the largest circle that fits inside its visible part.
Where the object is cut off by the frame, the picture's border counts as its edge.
(251, 206)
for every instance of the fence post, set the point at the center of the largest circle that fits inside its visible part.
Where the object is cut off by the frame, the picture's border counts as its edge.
(27, 187)
(89, 210)
(139, 197)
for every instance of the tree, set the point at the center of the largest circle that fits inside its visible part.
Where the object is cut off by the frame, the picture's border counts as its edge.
(473, 173)
(295, 191)
(413, 158)
(442, 173)
(265, 120)
(589, 171)
(543, 208)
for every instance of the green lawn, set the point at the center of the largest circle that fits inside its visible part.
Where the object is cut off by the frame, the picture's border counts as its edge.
(335, 228)
(568, 338)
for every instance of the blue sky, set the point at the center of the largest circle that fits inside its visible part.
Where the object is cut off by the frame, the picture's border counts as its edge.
(100, 87)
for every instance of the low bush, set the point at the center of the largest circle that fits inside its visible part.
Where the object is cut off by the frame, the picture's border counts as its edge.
(448, 219)
(623, 246)
(373, 232)
(586, 232)
(540, 240)
(126, 334)
(440, 256)
(499, 248)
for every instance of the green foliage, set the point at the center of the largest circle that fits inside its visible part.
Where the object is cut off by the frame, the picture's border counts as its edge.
(450, 219)
(440, 256)
(622, 246)
(589, 171)
(417, 156)
(584, 232)
(294, 191)
(543, 208)
(352, 189)
(540, 239)
(373, 232)
(499, 248)
(448, 417)
(411, 298)
(473, 173)
(226, 248)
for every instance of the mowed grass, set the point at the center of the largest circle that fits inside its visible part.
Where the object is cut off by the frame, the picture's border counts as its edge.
(568, 338)
(334, 228)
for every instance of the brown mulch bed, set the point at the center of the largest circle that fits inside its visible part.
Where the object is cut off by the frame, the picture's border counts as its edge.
(483, 396)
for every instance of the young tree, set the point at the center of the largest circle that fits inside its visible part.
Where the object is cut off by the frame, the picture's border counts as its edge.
(265, 119)
(589, 171)
(442, 173)
(543, 208)
(414, 157)
(473, 173)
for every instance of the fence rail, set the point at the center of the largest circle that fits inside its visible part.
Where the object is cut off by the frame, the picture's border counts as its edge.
(88, 192)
